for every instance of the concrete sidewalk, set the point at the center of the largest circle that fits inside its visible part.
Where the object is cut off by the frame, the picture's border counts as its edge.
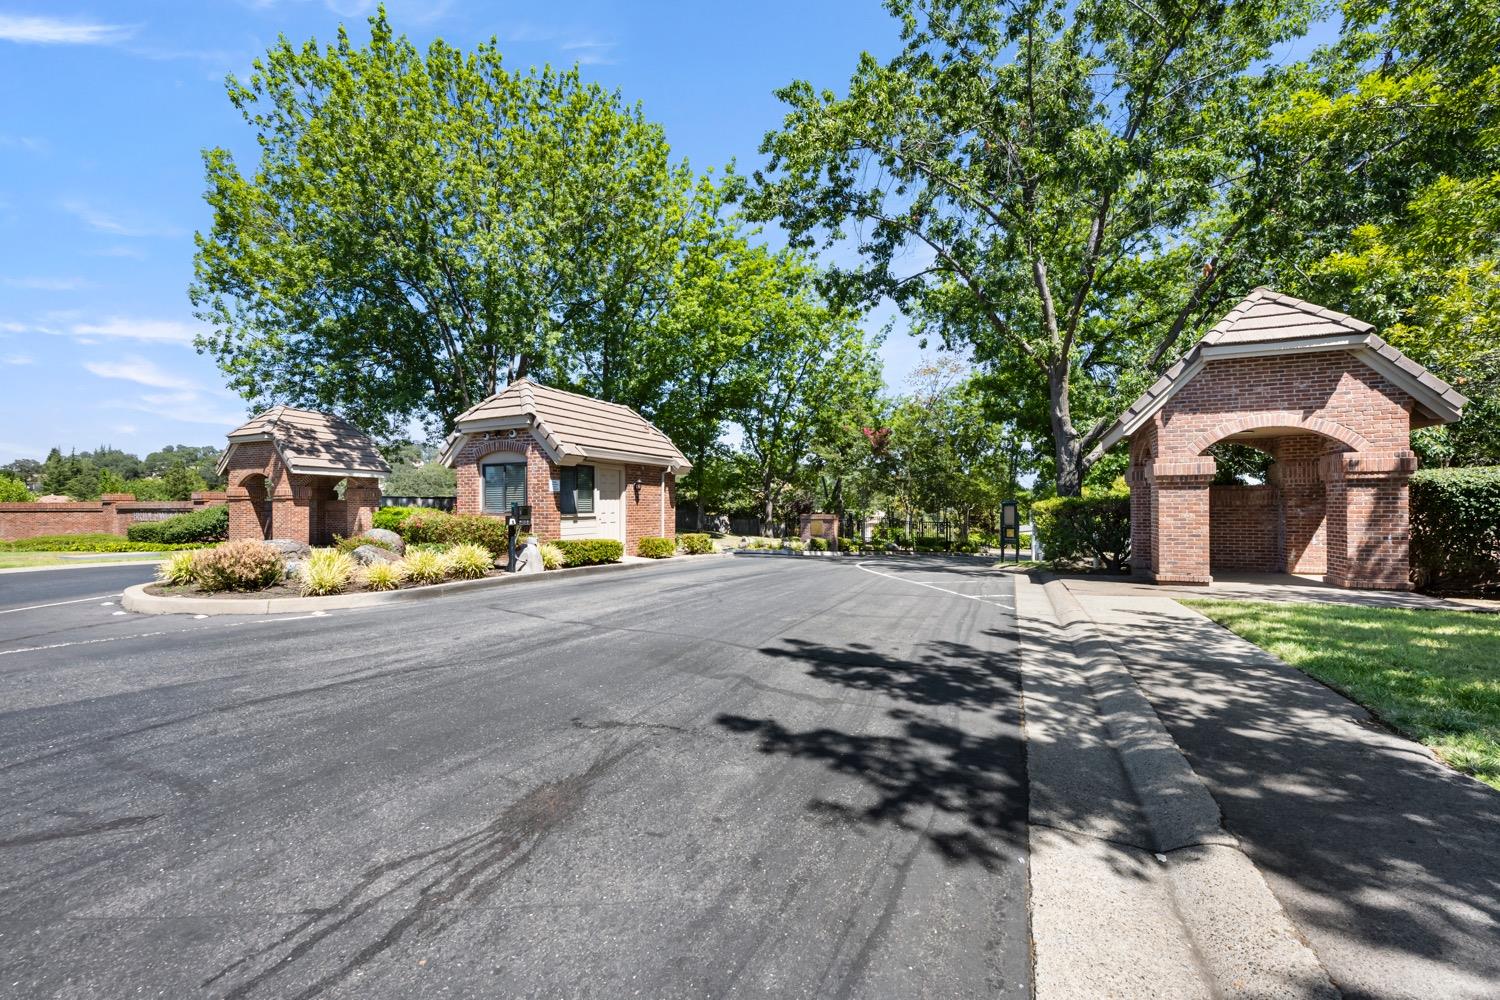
(1137, 891)
(1384, 859)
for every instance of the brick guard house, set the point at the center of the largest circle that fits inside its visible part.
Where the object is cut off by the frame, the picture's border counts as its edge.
(587, 468)
(1333, 405)
(283, 469)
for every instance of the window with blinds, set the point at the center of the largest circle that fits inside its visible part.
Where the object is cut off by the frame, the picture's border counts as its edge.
(577, 493)
(504, 485)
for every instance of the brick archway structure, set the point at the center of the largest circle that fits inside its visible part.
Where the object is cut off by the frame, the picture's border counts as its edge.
(284, 468)
(1330, 401)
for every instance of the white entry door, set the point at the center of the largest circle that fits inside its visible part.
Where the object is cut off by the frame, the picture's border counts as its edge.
(611, 485)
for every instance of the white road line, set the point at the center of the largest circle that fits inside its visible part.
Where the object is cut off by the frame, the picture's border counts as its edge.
(57, 604)
(931, 586)
(153, 635)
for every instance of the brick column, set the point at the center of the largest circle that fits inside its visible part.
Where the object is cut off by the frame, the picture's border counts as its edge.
(1141, 521)
(1368, 519)
(1180, 514)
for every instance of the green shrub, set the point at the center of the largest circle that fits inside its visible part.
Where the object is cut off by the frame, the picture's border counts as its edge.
(327, 571)
(12, 490)
(95, 542)
(206, 524)
(392, 518)
(350, 544)
(552, 556)
(1077, 529)
(429, 526)
(591, 551)
(655, 548)
(177, 570)
(696, 544)
(467, 561)
(384, 576)
(1455, 529)
(816, 544)
(242, 565)
(424, 566)
(795, 544)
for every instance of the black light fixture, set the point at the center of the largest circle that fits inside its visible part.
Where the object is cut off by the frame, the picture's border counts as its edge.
(637, 486)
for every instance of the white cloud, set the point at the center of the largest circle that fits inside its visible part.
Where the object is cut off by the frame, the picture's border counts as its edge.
(139, 370)
(104, 222)
(590, 52)
(157, 330)
(125, 428)
(7, 326)
(36, 30)
(17, 359)
(40, 284)
(25, 143)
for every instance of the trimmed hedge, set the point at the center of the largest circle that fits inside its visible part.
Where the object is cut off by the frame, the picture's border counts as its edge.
(435, 526)
(591, 551)
(98, 542)
(1077, 529)
(391, 518)
(1455, 529)
(655, 548)
(207, 524)
(696, 544)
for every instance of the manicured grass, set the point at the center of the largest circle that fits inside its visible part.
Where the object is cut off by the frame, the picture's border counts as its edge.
(97, 542)
(1432, 675)
(22, 560)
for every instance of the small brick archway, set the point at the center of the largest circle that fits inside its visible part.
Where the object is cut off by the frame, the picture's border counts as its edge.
(301, 475)
(1334, 407)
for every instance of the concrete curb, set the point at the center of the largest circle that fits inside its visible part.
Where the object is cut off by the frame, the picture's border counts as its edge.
(136, 599)
(1177, 805)
(1240, 942)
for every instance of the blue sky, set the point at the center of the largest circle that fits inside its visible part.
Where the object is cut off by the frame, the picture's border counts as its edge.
(107, 106)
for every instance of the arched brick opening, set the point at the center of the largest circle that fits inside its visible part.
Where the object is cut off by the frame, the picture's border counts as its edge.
(1280, 525)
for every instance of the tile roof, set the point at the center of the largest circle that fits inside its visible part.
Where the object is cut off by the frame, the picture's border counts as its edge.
(313, 443)
(1267, 322)
(572, 427)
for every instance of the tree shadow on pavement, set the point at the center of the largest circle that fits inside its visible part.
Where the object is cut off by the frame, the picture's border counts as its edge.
(959, 780)
(1383, 847)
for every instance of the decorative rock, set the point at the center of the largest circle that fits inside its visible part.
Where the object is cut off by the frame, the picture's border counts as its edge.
(529, 559)
(294, 568)
(291, 548)
(367, 555)
(389, 538)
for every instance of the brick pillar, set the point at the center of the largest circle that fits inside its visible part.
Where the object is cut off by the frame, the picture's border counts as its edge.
(1141, 520)
(1368, 519)
(361, 500)
(1180, 512)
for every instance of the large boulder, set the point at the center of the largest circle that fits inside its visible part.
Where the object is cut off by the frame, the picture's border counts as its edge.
(388, 538)
(290, 548)
(294, 568)
(368, 555)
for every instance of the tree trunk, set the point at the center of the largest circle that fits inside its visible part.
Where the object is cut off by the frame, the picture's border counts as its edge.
(768, 507)
(1065, 438)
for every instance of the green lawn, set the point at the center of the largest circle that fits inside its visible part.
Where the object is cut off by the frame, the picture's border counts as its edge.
(1433, 675)
(19, 560)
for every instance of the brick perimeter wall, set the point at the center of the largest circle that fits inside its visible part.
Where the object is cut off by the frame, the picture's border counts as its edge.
(113, 514)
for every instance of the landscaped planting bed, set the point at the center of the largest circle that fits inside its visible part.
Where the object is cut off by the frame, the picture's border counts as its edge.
(252, 569)
(98, 542)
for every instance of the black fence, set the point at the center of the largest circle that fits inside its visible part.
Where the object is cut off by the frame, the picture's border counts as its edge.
(436, 503)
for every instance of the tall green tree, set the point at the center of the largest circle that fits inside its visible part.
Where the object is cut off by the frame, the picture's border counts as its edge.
(1073, 181)
(423, 227)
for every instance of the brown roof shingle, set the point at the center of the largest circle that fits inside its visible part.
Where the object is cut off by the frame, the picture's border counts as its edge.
(313, 443)
(574, 427)
(1266, 322)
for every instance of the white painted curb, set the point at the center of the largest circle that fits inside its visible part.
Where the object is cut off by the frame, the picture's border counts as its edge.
(136, 599)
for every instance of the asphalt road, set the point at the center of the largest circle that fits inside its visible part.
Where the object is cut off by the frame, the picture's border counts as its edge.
(742, 777)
